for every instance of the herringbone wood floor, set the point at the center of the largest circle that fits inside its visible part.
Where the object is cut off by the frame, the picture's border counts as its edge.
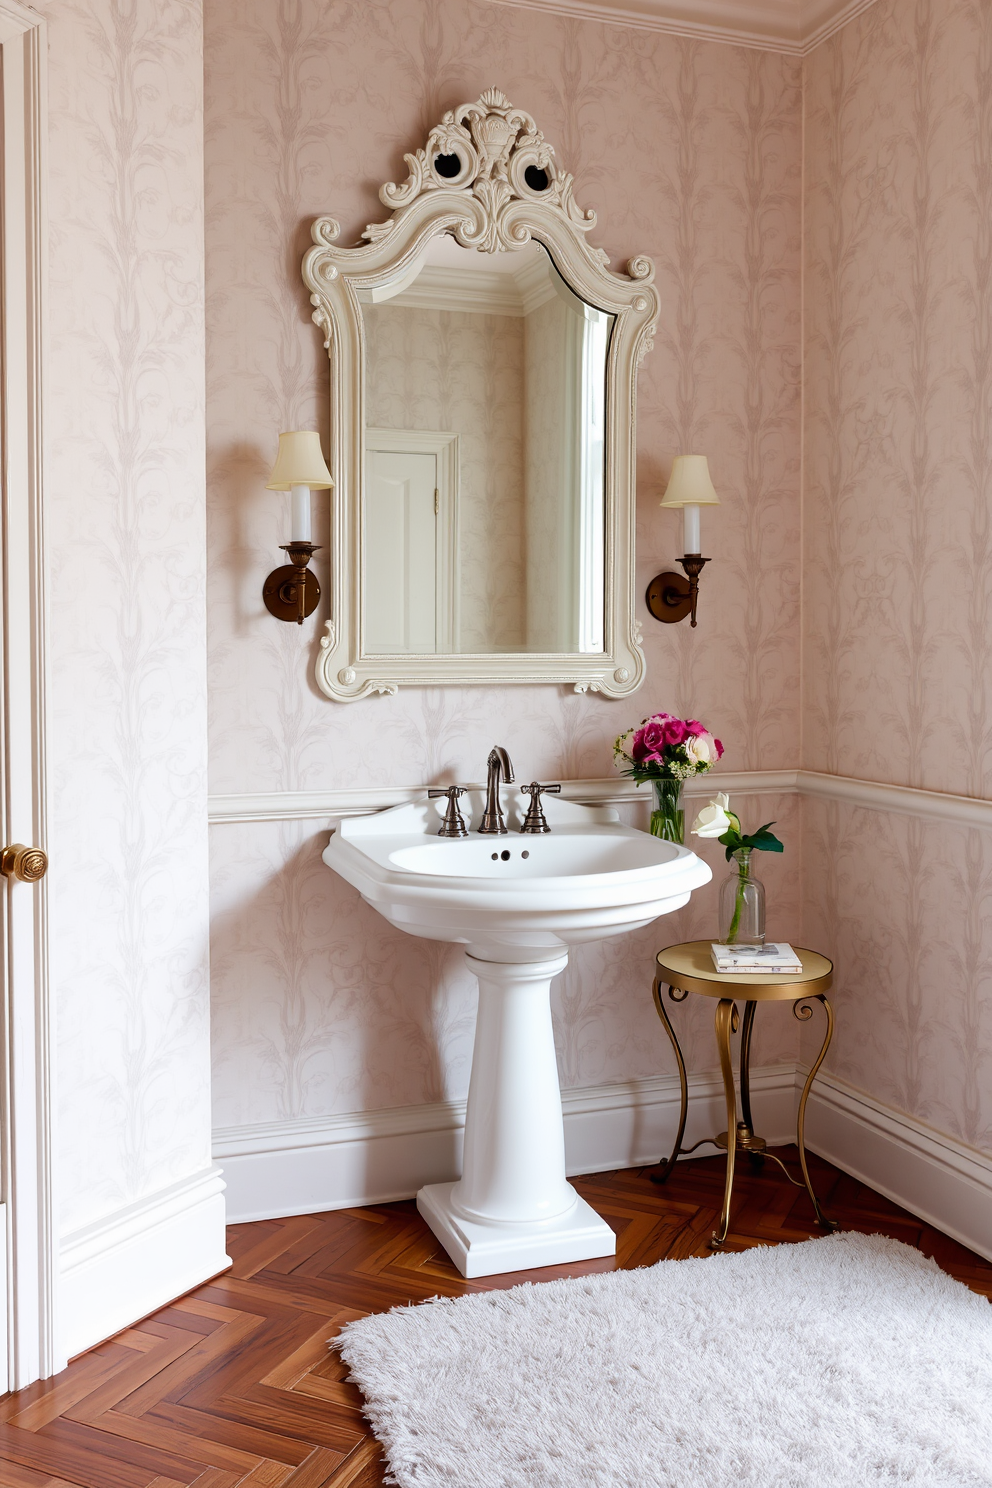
(233, 1384)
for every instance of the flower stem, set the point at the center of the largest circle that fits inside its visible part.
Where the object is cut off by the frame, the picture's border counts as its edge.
(743, 873)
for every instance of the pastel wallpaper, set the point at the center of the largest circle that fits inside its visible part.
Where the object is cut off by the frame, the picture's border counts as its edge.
(898, 542)
(125, 533)
(690, 153)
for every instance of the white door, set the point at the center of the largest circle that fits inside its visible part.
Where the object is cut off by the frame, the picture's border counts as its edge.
(401, 579)
(28, 1348)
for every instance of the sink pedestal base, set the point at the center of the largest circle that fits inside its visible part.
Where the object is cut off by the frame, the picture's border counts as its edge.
(485, 1248)
(513, 1207)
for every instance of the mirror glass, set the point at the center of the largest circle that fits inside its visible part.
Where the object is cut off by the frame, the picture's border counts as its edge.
(483, 507)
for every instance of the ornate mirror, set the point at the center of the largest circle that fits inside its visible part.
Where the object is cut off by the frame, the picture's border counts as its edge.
(483, 388)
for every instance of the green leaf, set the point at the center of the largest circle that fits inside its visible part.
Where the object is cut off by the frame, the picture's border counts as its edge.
(731, 840)
(765, 841)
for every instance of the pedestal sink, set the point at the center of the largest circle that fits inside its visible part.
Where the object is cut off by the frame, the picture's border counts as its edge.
(517, 903)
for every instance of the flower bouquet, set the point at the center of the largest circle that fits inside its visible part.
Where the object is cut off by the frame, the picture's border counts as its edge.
(667, 751)
(742, 896)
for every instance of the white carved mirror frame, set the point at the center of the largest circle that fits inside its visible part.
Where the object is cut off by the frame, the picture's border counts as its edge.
(488, 204)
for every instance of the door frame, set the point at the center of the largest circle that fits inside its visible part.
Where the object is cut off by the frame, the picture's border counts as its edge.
(445, 447)
(32, 1337)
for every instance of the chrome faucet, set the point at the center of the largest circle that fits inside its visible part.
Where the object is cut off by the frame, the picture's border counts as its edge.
(498, 766)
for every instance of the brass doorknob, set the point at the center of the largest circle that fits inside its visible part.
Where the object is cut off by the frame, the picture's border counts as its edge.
(25, 863)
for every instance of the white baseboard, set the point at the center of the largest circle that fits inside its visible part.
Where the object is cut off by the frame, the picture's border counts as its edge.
(375, 1157)
(139, 1259)
(935, 1177)
(302, 1167)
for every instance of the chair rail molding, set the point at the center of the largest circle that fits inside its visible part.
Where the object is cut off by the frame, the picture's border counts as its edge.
(607, 790)
(794, 27)
(868, 795)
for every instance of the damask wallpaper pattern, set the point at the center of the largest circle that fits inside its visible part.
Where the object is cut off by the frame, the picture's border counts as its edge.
(125, 533)
(898, 550)
(690, 153)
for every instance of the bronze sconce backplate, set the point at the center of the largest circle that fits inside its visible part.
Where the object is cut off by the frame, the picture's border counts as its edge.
(670, 597)
(292, 592)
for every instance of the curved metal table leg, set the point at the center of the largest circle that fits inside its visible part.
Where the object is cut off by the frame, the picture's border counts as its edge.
(683, 1083)
(726, 1024)
(747, 1024)
(802, 1010)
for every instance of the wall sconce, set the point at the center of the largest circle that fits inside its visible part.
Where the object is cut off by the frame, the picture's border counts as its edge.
(670, 597)
(292, 592)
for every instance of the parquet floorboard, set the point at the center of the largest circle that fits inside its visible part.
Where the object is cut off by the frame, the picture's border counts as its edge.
(233, 1386)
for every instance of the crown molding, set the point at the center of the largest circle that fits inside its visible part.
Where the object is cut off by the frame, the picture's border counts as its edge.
(793, 27)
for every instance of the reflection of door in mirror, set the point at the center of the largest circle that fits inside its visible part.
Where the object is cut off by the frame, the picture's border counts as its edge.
(411, 542)
(496, 348)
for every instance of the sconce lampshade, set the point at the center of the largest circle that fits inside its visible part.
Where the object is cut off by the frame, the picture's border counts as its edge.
(690, 483)
(300, 462)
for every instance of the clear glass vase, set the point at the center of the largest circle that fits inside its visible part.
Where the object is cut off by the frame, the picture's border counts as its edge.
(668, 818)
(742, 904)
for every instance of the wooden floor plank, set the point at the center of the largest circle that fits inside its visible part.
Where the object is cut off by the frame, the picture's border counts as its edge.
(234, 1384)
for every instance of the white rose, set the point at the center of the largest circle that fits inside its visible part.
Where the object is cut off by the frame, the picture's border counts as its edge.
(713, 820)
(698, 749)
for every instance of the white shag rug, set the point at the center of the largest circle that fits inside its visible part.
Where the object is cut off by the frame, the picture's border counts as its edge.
(835, 1363)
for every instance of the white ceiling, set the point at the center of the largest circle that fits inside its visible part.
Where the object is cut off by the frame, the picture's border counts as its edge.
(794, 26)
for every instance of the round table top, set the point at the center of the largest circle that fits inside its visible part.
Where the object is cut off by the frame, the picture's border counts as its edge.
(689, 967)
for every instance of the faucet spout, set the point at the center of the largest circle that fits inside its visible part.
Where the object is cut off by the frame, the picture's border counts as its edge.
(503, 760)
(497, 766)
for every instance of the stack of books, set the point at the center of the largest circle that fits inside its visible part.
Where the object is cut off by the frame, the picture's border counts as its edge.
(775, 958)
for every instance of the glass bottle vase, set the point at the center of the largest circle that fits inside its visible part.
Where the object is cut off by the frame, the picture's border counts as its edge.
(742, 904)
(668, 817)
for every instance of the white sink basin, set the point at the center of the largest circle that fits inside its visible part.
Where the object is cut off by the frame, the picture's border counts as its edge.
(517, 903)
(515, 897)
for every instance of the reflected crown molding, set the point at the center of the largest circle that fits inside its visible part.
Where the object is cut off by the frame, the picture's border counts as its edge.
(791, 26)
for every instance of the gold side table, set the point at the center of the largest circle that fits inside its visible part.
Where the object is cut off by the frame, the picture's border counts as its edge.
(689, 968)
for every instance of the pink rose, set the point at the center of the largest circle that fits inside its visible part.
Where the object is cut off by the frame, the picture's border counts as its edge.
(648, 742)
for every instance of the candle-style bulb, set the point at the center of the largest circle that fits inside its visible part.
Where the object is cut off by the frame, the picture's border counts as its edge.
(690, 529)
(300, 531)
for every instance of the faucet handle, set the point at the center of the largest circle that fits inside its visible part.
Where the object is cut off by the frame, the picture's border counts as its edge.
(535, 820)
(454, 823)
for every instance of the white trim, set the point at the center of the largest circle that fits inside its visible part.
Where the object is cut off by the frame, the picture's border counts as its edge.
(827, 18)
(31, 1342)
(606, 790)
(281, 1168)
(793, 27)
(870, 795)
(867, 795)
(141, 1258)
(937, 1178)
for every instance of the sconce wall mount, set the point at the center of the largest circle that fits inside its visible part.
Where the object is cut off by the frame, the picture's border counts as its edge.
(670, 597)
(292, 591)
